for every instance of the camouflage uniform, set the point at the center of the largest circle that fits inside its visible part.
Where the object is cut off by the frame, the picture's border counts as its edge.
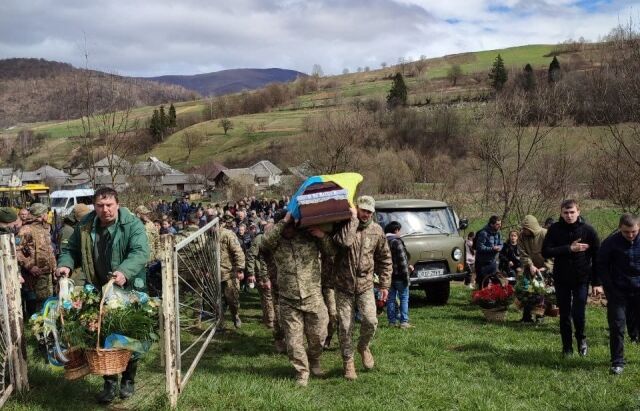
(187, 261)
(231, 261)
(35, 250)
(257, 267)
(271, 276)
(153, 236)
(362, 249)
(302, 309)
(329, 295)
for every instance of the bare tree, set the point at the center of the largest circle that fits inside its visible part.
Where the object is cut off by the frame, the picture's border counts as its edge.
(454, 73)
(512, 145)
(421, 64)
(226, 124)
(192, 140)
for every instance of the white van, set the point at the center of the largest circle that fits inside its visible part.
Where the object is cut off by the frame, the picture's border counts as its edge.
(63, 201)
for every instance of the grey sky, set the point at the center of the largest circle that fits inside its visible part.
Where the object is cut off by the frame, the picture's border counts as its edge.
(148, 38)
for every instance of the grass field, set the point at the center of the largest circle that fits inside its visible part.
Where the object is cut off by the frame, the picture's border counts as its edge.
(452, 360)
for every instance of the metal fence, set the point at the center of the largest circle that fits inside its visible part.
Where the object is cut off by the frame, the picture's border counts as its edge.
(13, 364)
(191, 302)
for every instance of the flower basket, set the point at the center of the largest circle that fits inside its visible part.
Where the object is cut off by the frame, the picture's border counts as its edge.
(107, 361)
(552, 310)
(76, 367)
(498, 314)
(494, 299)
(538, 310)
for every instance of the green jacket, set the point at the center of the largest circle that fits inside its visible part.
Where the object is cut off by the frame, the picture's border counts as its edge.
(129, 255)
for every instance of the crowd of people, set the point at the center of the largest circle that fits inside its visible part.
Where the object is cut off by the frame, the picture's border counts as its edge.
(314, 282)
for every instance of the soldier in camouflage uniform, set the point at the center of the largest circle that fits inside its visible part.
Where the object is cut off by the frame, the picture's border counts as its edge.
(232, 263)
(8, 217)
(302, 311)
(362, 249)
(257, 268)
(70, 221)
(35, 257)
(153, 234)
(268, 280)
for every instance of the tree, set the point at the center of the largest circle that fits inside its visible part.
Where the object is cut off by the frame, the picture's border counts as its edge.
(226, 125)
(192, 140)
(421, 64)
(383, 65)
(454, 73)
(172, 116)
(498, 74)
(398, 92)
(316, 71)
(527, 79)
(554, 70)
(155, 126)
(345, 71)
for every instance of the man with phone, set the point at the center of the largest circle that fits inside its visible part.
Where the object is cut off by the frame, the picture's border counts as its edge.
(573, 244)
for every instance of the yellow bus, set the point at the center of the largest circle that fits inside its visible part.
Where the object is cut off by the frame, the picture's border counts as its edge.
(23, 196)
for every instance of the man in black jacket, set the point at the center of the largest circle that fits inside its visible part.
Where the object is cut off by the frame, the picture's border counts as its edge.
(573, 244)
(618, 266)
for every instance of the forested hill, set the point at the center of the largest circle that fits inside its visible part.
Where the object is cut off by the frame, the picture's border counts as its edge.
(230, 81)
(33, 90)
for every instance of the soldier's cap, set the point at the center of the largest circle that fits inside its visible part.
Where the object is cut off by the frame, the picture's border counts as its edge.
(227, 218)
(37, 209)
(367, 203)
(81, 210)
(141, 209)
(8, 215)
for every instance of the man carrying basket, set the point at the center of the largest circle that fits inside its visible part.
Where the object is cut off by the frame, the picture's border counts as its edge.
(109, 240)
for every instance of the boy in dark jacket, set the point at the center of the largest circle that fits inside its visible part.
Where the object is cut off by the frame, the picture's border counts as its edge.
(399, 278)
(618, 266)
(488, 244)
(573, 244)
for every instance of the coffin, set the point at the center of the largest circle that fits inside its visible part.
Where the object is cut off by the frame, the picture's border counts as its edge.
(323, 203)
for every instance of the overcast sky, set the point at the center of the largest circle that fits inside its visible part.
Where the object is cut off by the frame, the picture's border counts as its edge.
(156, 37)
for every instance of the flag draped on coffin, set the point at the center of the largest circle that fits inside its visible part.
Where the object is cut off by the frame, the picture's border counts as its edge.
(348, 181)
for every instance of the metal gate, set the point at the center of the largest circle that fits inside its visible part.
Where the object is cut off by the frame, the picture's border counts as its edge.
(13, 364)
(191, 303)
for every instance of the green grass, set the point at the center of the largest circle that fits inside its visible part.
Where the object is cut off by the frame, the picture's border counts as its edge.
(452, 359)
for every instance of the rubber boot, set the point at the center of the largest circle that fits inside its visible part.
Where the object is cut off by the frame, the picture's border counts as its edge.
(367, 358)
(108, 392)
(350, 370)
(127, 384)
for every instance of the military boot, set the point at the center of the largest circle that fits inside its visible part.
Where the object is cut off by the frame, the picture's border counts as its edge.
(367, 358)
(281, 346)
(350, 370)
(302, 379)
(236, 321)
(327, 342)
(316, 369)
(108, 392)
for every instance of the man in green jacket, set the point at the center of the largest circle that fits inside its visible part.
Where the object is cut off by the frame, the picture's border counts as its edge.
(110, 242)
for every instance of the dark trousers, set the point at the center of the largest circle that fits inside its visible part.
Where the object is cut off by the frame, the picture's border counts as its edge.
(633, 322)
(618, 301)
(572, 302)
(483, 270)
(128, 375)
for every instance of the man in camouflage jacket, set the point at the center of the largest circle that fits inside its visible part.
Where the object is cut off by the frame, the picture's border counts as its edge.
(232, 263)
(36, 258)
(297, 257)
(362, 249)
(257, 268)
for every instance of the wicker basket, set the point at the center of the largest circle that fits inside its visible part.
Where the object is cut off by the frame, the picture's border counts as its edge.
(552, 310)
(538, 310)
(106, 361)
(495, 314)
(76, 373)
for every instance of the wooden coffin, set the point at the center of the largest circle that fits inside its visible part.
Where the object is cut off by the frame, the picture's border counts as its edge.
(323, 203)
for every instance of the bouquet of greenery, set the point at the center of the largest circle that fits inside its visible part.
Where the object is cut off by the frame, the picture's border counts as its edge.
(532, 292)
(493, 296)
(131, 314)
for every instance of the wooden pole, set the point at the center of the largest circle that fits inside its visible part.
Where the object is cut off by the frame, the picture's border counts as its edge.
(169, 312)
(10, 277)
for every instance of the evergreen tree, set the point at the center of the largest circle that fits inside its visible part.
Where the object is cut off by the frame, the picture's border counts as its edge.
(498, 74)
(164, 120)
(172, 116)
(528, 79)
(554, 70)
(398, 92)
(155, 127)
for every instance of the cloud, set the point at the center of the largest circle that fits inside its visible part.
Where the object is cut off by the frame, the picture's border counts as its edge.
(147, 38)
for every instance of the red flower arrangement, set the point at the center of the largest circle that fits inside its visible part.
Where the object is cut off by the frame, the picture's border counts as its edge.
(493, 296)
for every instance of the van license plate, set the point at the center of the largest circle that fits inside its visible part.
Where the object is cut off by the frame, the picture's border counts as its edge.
(424, 273)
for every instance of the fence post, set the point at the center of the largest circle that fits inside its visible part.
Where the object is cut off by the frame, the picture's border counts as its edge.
(18, 349)
(169, 312)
